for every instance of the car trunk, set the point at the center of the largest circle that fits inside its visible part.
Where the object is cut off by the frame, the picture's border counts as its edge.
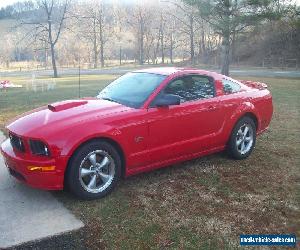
(256, 85)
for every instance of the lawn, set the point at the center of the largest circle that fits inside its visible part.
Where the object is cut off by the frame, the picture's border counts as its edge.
(201, 204)
(16, 101)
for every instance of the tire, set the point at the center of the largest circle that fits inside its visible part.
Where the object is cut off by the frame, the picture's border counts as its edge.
(242, 142)
(93, 170)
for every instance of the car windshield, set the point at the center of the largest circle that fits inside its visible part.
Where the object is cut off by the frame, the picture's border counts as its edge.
(131, 89)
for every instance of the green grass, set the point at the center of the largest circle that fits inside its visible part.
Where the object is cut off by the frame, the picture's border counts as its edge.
(18, 100)
(201, 204)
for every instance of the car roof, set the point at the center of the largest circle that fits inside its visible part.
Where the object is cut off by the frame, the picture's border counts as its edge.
(172, 70)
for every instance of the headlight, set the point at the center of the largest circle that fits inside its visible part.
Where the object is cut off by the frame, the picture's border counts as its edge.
(16, 142)
(38, 148)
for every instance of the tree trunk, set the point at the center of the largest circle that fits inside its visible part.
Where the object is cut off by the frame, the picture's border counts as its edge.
(141, 48)
(171, 48)
(233, 46)
(162, 47)
(101, 38)
(225, 55)
(203, 48)
(46, 56)
(52, 44)
(192, 47)
(101, 52)
(120, 58)
(55, 75)
(162, 40)
(156, 48)
(225, 48)
(95, 50)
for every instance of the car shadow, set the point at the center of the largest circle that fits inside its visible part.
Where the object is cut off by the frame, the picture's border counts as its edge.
(163, 173)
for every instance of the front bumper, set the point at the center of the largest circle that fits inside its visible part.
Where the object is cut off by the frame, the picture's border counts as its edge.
(18, 164)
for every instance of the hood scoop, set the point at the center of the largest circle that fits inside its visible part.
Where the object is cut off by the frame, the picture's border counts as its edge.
(60, 106)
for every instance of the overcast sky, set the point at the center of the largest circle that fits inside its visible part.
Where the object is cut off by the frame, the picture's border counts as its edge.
(4, 3)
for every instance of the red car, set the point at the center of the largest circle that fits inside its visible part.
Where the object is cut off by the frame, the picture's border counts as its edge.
(142, 121)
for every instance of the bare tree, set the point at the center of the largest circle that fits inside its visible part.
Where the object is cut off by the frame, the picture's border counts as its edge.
(140, 21)
(228, 17)
(96, 31)
(187, 17)
(100, 21)
(96, 21)
(171, 39)
(47, 25)
(208, 43)
(162, 37)
(6, 49)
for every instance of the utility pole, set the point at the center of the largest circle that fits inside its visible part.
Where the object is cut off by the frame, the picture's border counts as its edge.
(79, 76)
(120, 55)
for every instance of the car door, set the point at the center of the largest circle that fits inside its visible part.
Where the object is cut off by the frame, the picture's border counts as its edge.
(187, 128)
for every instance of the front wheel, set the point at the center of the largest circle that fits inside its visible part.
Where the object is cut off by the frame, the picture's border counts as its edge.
(94, 170)
(242, 139)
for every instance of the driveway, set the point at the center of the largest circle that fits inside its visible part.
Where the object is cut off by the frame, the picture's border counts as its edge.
(27, 214)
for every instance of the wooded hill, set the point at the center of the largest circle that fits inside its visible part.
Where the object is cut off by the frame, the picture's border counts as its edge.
(99, 33)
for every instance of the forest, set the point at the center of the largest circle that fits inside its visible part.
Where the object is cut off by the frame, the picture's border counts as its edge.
(94, 34)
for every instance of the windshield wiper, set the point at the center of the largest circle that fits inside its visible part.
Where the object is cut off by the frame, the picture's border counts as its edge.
(108, 99)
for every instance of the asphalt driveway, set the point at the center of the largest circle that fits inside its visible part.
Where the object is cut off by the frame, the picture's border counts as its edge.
(27, 214)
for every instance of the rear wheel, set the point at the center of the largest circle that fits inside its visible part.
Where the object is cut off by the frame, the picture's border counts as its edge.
(94, 170)
(242, 139)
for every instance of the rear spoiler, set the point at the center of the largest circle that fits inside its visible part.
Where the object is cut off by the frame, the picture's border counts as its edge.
(256, 85)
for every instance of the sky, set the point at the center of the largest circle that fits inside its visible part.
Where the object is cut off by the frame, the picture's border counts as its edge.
(4, 3)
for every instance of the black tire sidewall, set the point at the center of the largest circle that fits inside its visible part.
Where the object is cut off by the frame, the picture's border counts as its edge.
(72, 174)
(232, 149)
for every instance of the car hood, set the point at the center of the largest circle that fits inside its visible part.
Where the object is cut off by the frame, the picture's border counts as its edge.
(63, 115)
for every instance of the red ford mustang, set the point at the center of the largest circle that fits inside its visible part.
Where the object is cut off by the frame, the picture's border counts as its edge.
(144, 120)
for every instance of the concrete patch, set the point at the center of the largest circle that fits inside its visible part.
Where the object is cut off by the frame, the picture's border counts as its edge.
(27, 214)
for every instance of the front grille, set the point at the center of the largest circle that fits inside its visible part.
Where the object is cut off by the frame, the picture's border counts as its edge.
(17, 142)
(38, 147)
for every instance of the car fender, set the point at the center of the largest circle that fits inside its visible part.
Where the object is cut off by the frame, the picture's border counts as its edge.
(80, 136)
(243, 109)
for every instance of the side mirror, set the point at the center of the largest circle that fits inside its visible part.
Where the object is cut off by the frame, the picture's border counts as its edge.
(166, 100)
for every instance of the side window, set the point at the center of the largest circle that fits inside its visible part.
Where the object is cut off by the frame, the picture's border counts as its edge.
(174, 87)
(205, 86)
(230, 86)
(191, 87)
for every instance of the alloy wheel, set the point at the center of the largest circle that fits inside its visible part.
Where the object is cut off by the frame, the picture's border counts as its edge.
(244, 139)
(97, 171)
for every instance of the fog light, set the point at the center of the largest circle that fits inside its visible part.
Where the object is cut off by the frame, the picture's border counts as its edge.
(39, 168)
